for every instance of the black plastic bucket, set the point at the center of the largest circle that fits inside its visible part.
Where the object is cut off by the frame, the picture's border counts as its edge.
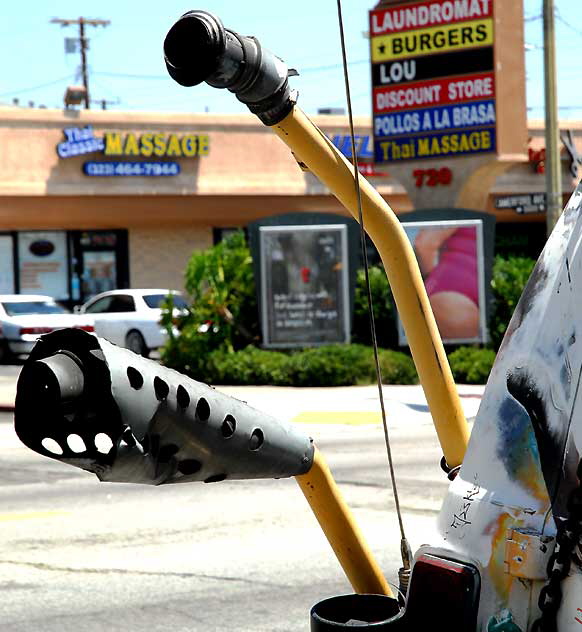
(364, 612)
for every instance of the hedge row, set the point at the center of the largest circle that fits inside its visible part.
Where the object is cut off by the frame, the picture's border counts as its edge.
(329, 365)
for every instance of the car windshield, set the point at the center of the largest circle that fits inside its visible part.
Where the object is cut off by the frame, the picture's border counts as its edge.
(21, 308)
(155, 300)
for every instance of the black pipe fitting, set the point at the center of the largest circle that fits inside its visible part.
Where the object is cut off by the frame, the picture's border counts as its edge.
(199, 49)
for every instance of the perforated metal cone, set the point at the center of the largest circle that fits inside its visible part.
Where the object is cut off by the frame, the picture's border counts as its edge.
(86, 402)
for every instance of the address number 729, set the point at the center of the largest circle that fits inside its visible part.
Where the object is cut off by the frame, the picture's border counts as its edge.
(432, 177)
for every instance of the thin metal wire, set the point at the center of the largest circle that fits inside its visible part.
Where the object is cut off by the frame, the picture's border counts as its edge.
(366, 269)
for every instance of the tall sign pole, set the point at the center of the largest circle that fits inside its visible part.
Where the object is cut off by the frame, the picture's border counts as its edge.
(552, 162)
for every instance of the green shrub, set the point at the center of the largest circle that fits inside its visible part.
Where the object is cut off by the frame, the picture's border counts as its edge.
(251, 366)
(331, 365)
(509, 278)
(384, 310)
(396, 368)
(471, 365)
(190, 353)
(346, 365)
(221, 284)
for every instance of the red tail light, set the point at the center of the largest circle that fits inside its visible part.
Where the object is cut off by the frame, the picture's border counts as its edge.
(35, 330)
(89, 328)
(443, 592)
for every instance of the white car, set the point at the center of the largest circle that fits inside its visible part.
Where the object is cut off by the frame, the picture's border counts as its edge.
(24, 317)
(131, 318)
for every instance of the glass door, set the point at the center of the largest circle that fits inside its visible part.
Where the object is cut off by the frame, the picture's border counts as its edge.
(99, 272)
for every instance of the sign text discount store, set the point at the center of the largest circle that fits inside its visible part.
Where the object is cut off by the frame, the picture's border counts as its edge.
(433, 79)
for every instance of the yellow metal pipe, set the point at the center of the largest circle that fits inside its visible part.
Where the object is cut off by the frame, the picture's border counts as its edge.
(313, 148)
(341, 530)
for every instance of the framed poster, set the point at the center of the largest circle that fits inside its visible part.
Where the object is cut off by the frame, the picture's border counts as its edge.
(304, 285)
(450, 257)
(43, 263)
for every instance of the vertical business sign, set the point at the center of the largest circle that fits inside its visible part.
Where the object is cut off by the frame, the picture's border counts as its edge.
(304, 285)
(433, 79)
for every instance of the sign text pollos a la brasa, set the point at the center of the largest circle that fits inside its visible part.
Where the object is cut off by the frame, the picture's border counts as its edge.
(439, 118)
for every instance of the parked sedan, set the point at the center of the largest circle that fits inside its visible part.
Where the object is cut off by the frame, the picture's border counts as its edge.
(24, 317)
(131, 318)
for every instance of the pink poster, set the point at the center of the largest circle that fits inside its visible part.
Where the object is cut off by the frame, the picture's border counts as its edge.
(450, 257)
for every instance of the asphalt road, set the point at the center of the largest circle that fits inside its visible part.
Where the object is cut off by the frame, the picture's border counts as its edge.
(76, 554)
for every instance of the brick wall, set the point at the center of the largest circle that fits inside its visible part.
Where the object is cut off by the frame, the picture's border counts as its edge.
(158, 256)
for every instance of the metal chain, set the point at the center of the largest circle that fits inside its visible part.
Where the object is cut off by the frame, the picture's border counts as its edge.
(568, 535)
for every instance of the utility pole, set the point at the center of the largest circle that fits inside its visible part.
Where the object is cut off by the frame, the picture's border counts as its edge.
(81, 22)
(553, 167)
(105, 102)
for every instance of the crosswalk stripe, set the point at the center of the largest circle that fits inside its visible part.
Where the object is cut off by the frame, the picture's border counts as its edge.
(351, 418)
(31, 515)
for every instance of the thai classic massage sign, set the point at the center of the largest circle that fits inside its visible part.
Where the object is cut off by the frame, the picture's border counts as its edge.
(82, 140)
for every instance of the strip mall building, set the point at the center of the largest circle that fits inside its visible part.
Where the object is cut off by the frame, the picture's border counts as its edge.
(93, 200)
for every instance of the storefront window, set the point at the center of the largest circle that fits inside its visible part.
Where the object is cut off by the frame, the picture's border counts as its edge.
(99, 262)
(43, 264)
(6, 265)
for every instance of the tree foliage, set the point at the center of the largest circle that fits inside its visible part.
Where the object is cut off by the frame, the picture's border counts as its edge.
(509, 278)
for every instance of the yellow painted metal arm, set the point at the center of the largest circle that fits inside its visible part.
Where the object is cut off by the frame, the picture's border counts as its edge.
(314, 149)
(341, 530)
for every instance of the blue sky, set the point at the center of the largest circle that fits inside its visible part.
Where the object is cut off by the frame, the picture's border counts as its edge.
(126, 62)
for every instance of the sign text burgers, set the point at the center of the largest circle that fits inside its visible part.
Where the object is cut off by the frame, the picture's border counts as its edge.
(433, 79)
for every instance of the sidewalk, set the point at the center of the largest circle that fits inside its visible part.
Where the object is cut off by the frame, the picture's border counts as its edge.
(350, 405)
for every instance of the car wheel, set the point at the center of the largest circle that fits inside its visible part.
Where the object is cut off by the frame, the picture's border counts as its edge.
(134, 342)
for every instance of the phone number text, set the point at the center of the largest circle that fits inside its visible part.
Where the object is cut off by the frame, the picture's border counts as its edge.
(131, 168)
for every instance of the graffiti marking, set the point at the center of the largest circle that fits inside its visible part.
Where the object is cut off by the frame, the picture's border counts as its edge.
(461, 518)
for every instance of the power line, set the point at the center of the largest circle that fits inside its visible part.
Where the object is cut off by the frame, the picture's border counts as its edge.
(166, 78)
(332, 66)
(566, 23)
(121, 75)
(560, 107)
(33, 88)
